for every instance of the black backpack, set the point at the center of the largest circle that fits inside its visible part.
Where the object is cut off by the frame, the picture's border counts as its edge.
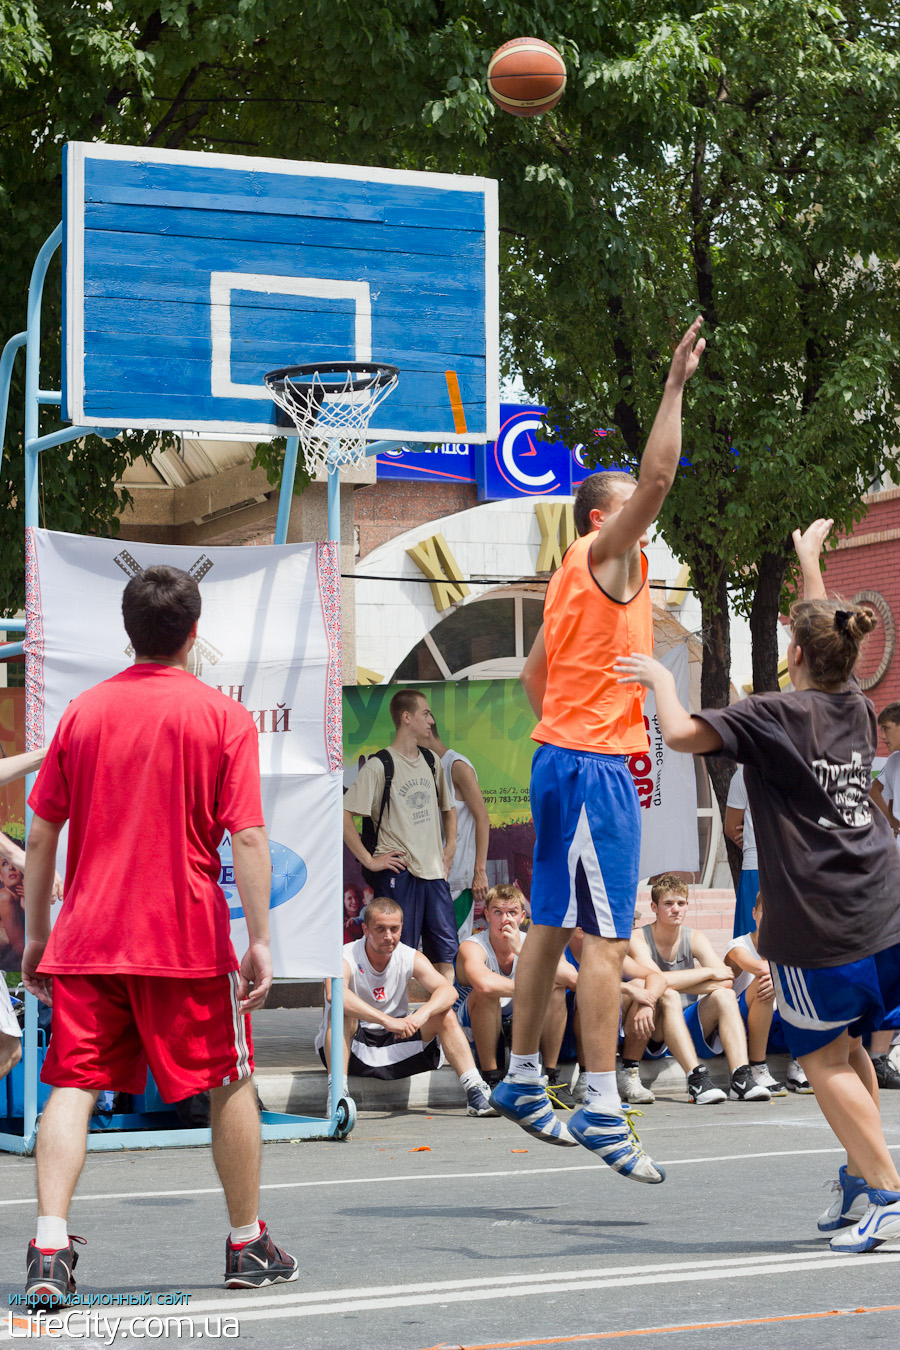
(370, 827)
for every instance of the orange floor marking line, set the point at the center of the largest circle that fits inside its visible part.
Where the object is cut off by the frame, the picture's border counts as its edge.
(660, 1331)
(456, 403)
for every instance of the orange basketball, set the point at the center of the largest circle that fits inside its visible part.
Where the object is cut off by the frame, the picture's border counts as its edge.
(526, 77)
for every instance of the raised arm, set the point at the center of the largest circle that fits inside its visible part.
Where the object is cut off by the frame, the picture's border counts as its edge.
(680, 731)
(808, 545)
(475, 972)
(659, 460)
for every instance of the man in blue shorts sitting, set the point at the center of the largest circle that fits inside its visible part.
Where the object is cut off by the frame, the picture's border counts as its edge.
(709, 1007)
(583, 798)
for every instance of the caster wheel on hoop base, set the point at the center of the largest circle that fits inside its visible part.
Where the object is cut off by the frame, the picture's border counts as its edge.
(345, 1117)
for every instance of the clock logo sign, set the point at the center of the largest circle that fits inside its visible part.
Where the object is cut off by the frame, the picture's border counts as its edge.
(519, 455)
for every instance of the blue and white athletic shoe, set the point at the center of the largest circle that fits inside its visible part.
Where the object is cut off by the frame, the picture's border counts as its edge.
(849, 1205)
(879, 1224)
(615, 1140)
(527, 1103)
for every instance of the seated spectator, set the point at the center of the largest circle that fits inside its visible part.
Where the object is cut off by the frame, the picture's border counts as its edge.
(485, 979)
(701, 983)
(12, 914)
(641, 989)
(756, 1001)
(382, 1038)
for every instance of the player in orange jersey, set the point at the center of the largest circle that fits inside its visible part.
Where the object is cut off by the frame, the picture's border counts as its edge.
(583, 800)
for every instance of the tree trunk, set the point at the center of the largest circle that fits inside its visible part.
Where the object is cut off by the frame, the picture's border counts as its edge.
(715, 692)
(764, 613)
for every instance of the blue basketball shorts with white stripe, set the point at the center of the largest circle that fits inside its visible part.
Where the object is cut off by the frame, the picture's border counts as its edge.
(818, 1005)
(587, 841)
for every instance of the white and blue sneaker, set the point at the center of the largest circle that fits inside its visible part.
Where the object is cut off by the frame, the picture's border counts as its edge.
(879, 1224)
(848, 1205)
(526, 1102)
(615, 1140)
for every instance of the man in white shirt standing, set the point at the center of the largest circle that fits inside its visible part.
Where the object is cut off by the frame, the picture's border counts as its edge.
(884, 794)
(739, 829)
(468, 874)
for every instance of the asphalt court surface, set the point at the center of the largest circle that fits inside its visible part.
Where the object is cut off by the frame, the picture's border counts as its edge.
(476, 1243)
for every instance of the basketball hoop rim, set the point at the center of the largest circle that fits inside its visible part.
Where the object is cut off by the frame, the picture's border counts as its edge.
(379, 373)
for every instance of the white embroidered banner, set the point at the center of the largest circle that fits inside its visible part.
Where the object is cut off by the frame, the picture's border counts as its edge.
(269, 636)
(667, 787)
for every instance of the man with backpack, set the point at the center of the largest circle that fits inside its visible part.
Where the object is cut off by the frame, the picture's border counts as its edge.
(409, 831)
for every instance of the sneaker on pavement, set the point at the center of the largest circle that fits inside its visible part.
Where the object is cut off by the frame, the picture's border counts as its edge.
(631, 1089)
(702, 1090)
(850, 1203)
(762, 1076)
(879, 1224)
(252, 1265)
(885, 1072)
(478, 1100)
(615, 1140)
(744, 1087)
(49, 1281)
(526, 1102)
(560, 1094)
(796, 1080)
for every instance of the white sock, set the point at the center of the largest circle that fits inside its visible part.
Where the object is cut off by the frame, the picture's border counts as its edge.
(248, 1233)
(526, 1066)
(345, 1086)
(471, 1078)
(52, 1234)
(602, 1093)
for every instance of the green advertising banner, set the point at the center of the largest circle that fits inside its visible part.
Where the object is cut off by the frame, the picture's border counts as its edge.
(488, 721)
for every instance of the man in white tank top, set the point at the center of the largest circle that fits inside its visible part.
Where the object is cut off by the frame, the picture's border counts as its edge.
(467, 878)
(382, 1038)
(485, 977)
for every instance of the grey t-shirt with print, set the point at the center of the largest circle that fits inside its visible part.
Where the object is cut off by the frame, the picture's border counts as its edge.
(829, 872)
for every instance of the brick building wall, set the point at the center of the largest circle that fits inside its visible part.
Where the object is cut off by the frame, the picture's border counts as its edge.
(869, 560)
(383, 510)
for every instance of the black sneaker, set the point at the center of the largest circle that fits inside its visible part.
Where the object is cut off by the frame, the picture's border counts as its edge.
(887, 1075)
(701, 1088)
(492, 1077)
(744, 1087)
(560, 1094)
(49, 1281)
(258, 1263)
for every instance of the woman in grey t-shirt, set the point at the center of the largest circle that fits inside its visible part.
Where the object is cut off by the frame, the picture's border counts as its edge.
(829, 872)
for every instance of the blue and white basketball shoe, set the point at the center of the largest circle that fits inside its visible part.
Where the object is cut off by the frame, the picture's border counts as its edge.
(879, 1224)
(526, 1102)
(848, 1205)
(615, 1140)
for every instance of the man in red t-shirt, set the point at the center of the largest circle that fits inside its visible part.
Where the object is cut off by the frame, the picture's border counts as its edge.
(150, 768)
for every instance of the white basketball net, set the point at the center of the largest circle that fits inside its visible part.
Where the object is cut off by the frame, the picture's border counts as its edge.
(331, 425)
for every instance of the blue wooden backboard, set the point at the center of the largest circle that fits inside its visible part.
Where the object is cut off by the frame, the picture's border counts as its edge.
(188, 276)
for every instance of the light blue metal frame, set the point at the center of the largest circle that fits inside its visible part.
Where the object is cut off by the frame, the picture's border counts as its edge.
(275, 1125)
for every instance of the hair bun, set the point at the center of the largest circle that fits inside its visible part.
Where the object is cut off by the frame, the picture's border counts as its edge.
(860, 622)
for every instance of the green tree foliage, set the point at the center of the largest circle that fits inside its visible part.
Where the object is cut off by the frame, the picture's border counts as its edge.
(756, 182)
(333, 80)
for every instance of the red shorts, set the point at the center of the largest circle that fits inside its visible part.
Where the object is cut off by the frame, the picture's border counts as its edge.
(108, 1028)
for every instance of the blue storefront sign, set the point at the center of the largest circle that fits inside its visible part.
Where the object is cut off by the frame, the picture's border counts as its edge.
(523, 462)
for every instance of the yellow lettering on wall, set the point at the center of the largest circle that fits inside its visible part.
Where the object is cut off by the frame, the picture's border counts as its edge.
(557, 523)
(679, 592)
(433, 557)
(366, 676)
